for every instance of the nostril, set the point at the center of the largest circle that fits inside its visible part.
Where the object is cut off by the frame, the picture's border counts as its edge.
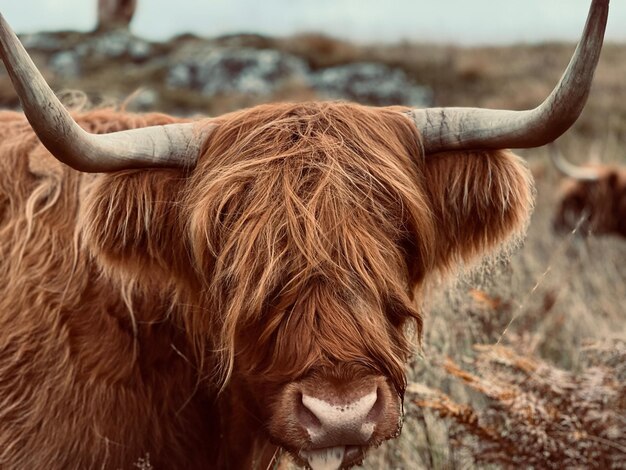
(305, 416)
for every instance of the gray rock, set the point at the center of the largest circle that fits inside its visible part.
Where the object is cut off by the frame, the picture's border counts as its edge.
(180, 76)
(83, 49)
(370, 83)
(262, 71)
(116, 44)
(246, 71)
(139, 50)
(44, 42)
(66, 64)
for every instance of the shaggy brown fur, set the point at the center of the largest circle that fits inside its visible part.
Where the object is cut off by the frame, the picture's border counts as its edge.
(162, 312)
(594, 207)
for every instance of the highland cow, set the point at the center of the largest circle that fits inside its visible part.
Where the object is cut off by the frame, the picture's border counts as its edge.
(207, 292)
(592, 198)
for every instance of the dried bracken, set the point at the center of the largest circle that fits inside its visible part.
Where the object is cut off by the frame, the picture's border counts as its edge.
(536, 414)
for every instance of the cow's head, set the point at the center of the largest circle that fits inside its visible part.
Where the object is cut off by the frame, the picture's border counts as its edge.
(295, 237)
(592, 198)
(302, 237)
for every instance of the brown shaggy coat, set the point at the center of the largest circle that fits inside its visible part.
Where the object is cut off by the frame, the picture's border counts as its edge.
(156, 312)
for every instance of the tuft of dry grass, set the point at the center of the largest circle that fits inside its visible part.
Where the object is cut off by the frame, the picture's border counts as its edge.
(535, 414)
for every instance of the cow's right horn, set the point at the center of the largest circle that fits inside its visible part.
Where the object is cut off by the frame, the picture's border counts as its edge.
(172, 145)
(475, 128)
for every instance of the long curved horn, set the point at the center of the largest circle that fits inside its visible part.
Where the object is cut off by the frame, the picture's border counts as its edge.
(569, 169)
(172, 145)
(474, 128)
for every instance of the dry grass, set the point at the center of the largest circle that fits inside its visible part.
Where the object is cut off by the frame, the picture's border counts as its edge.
(534, 413)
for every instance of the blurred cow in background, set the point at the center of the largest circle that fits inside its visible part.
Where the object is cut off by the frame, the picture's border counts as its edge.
(593, 198)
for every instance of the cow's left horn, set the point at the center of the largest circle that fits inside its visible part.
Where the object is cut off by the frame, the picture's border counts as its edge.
(172, 145)
(474, 128)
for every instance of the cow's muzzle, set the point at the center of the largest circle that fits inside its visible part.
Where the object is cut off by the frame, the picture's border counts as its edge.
(330, 422)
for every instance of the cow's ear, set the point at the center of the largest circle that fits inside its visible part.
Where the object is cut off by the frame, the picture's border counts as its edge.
(480, 200)
(131, 222)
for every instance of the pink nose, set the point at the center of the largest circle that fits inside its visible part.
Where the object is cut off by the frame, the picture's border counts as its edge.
(348, 423)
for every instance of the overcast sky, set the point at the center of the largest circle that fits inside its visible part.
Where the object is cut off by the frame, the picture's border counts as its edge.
(457, 21)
